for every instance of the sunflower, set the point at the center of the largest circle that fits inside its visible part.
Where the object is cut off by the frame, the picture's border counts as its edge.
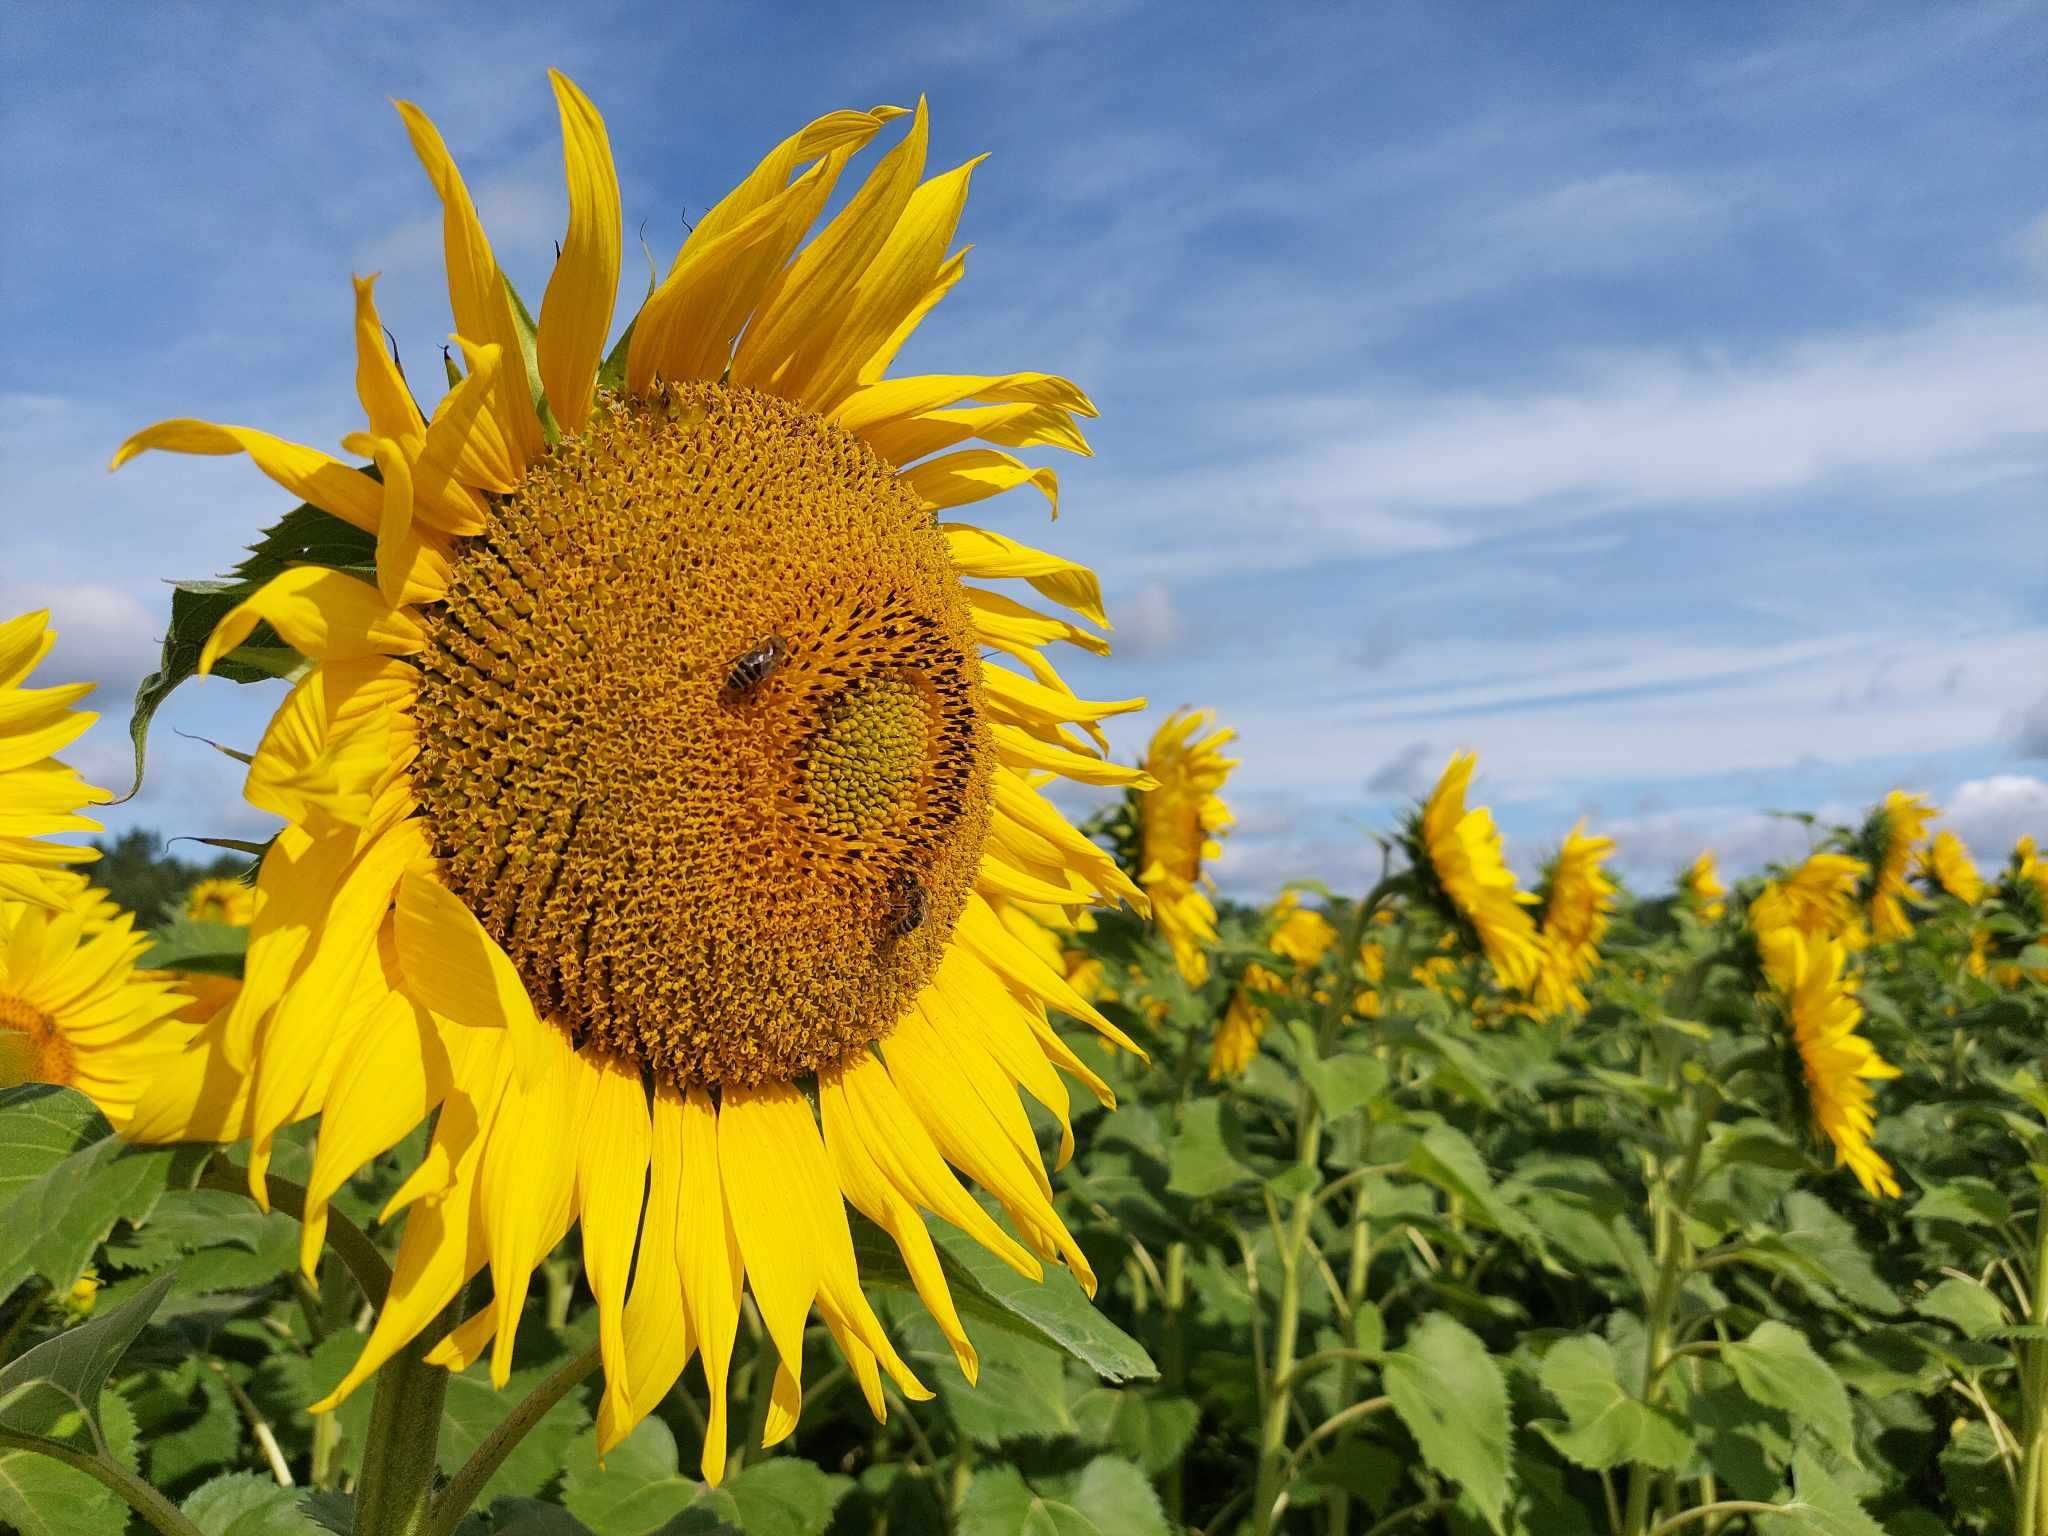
(1817, 899)
(38, 794)
(1244, 1023)
(221, 901)
(651, 812)
(1806, 974)
(1300, 934)
(1702, 888)
(1578, 905)
(1179, 821)
(75, 1011)
(1372, 965)
(1945, 864)
(1456, 853)
(1889, 838)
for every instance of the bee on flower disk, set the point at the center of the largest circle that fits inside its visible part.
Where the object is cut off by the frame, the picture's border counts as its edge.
(747, 671)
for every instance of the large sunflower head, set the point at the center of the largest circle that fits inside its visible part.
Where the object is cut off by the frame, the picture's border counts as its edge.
(1946, 865)
(1837, 1065)
(655, 810)
(1887, 842)
(1461, 871)
(39, 795)
(1578, 903)
(1178, 824)
(1702, 888)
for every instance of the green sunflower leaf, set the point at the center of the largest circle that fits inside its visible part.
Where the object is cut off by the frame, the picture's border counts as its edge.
(247, 1504)
(217, 949)
(53, 1391)
(66, 1179)
(1450, 1393)
(1775, 1366)
(303, 536)
(1607, 1425)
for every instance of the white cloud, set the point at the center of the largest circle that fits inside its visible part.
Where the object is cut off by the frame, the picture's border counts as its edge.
(1147, 622)
(105, 635)
(1991, 814)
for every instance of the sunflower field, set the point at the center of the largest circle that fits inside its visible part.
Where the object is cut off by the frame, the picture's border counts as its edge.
(719, 1043)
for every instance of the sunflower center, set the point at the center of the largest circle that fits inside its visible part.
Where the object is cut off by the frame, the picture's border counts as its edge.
(700, 741)
(32, 1049)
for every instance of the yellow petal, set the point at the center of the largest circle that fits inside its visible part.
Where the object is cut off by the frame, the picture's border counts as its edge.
(386, 1082)
(790, 329)
(526, 1183)
(977, 552)
(656, 1328)
(892, 400)
(892, 286)
(975, 474)
(769, 1158)
(381, 388)
(576, 310)
(610, 1175)
(948, 278)
(312, 476)
(457, 969)
(476, 289)
(1023, 425)
(322, 614)
(464, 447)
(686, 327)
(709, 1265)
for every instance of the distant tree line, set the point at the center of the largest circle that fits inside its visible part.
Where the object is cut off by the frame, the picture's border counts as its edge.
(140, 872)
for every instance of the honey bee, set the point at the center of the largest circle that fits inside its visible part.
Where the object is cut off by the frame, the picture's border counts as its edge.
(754, 666)
(904, 912)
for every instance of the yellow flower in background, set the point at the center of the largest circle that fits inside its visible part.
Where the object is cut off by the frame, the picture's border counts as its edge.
(221, 901)
(1457, 853)
(1946, 863)
(1896, 828)
(663, 750)
(1179, 821)
(75, 1011)
(1372, 964)
(1576, 914)
(1805, 971)
(1300, 934)
(2029, 868)
(1702, 887)
(1237, 1037)
(1816, 899)
(40, 796)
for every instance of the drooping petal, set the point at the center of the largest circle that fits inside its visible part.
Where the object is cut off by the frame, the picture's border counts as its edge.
(656, 1327)
(611, 1176)
(709, 1265)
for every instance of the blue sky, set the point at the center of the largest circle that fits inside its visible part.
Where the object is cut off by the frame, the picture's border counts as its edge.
(1654, 399)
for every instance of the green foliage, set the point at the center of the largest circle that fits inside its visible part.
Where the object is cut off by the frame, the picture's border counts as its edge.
(1430, 1264)
(138, 871)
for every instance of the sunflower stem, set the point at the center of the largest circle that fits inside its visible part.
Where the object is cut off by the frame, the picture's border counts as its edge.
(394, 1495)
(454, 1500)
(2033, 1501)
(1670, 1197)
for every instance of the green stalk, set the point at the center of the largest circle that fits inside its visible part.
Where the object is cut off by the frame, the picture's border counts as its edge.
(1273, 1460)
(1273, 1429)
(394, 1495)
(1355, 1280)
(1174, 1365)
(1670, 1197)
(2033, 1503)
